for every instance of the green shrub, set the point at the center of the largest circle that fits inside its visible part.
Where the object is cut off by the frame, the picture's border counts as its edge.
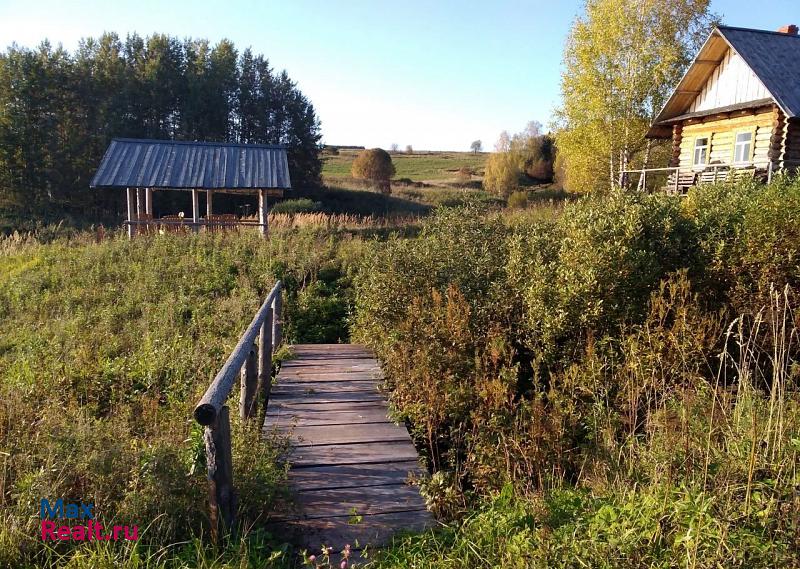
(301, 205)
(584, 350)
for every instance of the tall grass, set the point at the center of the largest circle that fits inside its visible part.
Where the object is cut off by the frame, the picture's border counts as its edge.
(106, 345)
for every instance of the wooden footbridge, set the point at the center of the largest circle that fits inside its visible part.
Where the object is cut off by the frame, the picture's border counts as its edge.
(349, 464)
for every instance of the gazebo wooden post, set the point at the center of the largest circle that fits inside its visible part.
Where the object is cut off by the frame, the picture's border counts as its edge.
(196, 210)
(148, 202)
(140, 203)
(209, 203)
(262, 212)
(131, 212)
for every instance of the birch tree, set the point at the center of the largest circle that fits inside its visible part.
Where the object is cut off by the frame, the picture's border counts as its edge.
(621, 61)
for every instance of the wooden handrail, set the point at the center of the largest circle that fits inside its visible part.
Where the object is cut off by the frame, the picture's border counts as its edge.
(217, 393)
(253, 364)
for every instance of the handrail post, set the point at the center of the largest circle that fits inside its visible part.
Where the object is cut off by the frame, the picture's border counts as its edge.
(253, 364)
(265, 361)
(677, 176)
(221, 495)
(249, 377)
(277, 320)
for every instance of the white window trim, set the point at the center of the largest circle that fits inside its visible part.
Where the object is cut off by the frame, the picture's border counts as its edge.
(736, 144)
(707, 146)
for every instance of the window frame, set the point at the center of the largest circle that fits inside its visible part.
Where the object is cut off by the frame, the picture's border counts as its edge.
(707, 146)
(749, 159)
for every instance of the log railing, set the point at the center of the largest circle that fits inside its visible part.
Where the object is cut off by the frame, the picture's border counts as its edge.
(251, 362)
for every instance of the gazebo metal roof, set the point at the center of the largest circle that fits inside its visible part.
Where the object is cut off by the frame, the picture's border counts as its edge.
(170, 164)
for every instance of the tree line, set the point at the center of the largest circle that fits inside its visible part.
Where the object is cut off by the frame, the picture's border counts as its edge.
(59, 110)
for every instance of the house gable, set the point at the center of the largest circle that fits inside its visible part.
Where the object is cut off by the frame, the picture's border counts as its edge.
(736, 67)
(731, 83)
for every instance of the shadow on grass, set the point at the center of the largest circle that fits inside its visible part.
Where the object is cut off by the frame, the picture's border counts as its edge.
(337, 200)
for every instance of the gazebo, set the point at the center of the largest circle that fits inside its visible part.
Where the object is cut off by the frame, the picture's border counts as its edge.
(142, 166)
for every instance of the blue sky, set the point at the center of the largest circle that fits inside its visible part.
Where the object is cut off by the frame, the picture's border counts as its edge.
(435, 75)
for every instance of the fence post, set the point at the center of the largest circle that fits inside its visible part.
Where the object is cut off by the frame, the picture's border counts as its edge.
(277, 321)
(221, 495)
(249, 377)
(265, 361)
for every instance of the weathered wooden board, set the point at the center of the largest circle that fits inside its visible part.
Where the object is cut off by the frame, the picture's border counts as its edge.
(358, 453)
(353, 475)
(336, 532)
(322, 415)
(317, 435)
(300, 406)
(348, 366)
(325, 386)
(326, 398)
(312, 504)
(323, 376)
(346, 455)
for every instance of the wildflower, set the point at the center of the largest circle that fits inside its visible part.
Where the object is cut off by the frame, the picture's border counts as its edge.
(312, 558)
(343, 565)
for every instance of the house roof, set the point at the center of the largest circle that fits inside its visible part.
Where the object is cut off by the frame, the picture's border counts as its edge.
(774, 58)
(171, 164)
(758, 103)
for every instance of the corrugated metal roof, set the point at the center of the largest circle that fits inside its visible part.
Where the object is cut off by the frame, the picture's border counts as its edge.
(139, 163)
(774, 57)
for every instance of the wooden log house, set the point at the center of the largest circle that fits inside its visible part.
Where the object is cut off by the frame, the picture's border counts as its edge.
(736, 111)
(141, 166)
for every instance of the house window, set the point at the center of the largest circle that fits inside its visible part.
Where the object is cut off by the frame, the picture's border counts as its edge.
(700, 152)
(742, 150)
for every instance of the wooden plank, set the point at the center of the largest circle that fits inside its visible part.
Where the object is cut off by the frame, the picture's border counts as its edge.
(324, 416)
(327, 398)
(353, 475)
(310, 504)
(316, 435)
(374, 530)
(300, 354)
(298, 406)
(359, 453)
(343, 365)
(324, 388)
(302, 375)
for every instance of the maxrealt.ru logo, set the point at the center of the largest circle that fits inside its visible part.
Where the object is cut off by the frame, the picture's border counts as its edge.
(86, 529)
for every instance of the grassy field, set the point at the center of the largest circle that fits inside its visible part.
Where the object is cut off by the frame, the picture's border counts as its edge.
(418, 166)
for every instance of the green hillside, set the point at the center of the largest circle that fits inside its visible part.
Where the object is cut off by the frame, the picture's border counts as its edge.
(417, 166)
